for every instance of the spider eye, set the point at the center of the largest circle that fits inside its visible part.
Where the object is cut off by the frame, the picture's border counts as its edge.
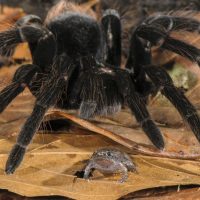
(29, 19)
(35, 20)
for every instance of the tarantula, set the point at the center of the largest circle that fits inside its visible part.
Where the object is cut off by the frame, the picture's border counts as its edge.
(76, 65)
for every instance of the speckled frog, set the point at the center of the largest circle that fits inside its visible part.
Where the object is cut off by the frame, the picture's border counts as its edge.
(110, 161)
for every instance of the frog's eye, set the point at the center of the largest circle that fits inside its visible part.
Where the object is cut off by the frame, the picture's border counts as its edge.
(108, 153)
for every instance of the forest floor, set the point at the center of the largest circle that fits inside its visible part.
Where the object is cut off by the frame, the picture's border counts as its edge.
(48, 169)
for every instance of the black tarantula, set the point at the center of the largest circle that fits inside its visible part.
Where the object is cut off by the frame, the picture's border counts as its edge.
(76, 65)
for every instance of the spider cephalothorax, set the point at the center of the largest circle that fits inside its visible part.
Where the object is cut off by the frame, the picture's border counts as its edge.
(76, 63)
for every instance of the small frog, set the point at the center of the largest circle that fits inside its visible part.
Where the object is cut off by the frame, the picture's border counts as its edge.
(110, 161)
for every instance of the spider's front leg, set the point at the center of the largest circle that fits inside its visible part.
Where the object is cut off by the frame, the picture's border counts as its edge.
(138, 108)
(43, 46)
(46, 98)
(48, 95)
(160, 77)
(142, 115)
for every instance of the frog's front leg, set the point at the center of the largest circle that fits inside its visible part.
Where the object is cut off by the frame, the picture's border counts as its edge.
(89, 168)
(123, 169)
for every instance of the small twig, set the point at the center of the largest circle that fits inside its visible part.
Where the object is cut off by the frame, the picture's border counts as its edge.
(163, 154)
(8, 20)
(137, 148)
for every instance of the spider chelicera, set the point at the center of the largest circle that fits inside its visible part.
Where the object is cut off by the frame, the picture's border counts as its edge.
(76, 65)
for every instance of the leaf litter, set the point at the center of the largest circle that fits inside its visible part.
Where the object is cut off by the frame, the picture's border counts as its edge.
(53, 158)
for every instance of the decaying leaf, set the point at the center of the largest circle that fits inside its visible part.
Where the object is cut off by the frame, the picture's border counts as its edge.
(22, 52)
(52, 160)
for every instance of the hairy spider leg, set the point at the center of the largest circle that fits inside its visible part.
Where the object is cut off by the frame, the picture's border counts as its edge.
(111, 26)
(139, 55)
(48, 96)
(38, 38)
(161, 38)
(158, 37)
(21, 80)
(138, 107)
(155, 31)
(8, 41)
(160, 77)
(172, 23)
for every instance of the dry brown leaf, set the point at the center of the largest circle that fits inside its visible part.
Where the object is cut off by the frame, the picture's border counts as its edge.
(10, 16)
(52, 160)
(22, 52)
